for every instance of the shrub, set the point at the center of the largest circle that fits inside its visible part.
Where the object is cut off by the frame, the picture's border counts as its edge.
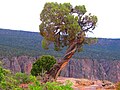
(43, 64)
(7, 81)
(1, 74)
(24, 78)
(51, 86)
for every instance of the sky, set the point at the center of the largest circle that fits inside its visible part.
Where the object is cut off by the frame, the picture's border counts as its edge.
(25, 15)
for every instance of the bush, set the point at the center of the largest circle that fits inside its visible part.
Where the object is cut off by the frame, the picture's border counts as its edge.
(43, 64)
(51, 86)
(7, 81)
(1, 74)
(11, 81)
(24, 78)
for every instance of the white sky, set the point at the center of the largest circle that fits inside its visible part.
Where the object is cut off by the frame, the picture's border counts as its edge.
(24, 15)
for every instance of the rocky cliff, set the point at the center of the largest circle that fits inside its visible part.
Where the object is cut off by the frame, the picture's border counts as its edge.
(18, 64)
(93, 69)
(78, 68)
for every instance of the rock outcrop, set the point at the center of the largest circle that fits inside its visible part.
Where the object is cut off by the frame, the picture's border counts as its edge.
(93, 69)
(78, 68)
(19, 64)
(86, 84)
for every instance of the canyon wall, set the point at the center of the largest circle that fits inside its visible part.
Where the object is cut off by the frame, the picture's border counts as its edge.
(78, 68)
(93, 69)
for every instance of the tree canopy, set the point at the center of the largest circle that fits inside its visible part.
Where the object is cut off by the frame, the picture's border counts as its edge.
(62, 24)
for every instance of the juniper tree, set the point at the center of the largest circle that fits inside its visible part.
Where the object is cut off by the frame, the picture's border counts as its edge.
(65, 26)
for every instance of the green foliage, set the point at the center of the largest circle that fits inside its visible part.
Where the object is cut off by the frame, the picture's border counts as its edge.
(7, 81)
(61, 26)
(24, 78)
(81, 8)
(11, 81)
(44, 44)
(1, 74)
(36, 86)
(57, 17)
(90, 41)
(43, 64)
(51, 86)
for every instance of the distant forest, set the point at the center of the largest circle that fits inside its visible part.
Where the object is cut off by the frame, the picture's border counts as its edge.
(17, 43)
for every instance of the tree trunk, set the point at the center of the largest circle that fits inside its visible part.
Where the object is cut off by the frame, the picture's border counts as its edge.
(55, 70)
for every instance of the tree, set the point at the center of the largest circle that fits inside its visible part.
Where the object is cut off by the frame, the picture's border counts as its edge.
(65, 26)
(44, 63)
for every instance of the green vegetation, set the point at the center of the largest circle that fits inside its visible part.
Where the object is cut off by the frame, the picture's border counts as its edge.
(43, 64)
(61, 27)
(23, 78)
(51, 86)
(17, 43)
(9, 81)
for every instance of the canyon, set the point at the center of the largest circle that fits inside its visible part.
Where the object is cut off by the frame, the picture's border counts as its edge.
(92, 69)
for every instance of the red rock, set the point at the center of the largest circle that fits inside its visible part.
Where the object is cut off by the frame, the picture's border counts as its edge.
(23, 85)
(28, 67)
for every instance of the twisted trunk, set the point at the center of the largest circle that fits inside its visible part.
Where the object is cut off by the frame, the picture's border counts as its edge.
(55, 70)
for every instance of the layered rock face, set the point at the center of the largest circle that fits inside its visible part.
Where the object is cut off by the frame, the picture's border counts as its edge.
(19, 64)
(78, 68)
(93, 69)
